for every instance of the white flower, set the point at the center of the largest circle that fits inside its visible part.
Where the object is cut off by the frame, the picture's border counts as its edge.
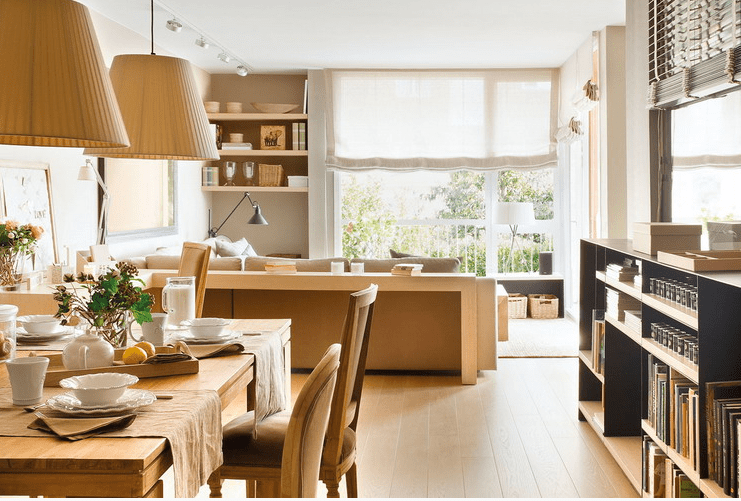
(11, 234)
(24, 241)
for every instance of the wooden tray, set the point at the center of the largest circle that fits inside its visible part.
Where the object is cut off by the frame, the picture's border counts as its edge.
(729, 260)
(56, 371)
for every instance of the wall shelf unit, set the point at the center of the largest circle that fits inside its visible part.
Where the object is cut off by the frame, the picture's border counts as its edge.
(255, 117)
(616, 404)
(257, 189)
(262, 153)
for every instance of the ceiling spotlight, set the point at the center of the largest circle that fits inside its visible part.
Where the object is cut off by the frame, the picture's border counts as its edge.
(174, 25)
(242, 71)
(201, 42)
(224, 57)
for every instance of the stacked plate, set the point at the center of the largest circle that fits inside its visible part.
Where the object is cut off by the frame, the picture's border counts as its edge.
(131, 400)
(206, 331)
(59, 332)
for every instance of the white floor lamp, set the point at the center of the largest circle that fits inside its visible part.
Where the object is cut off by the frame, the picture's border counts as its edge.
(513, 214)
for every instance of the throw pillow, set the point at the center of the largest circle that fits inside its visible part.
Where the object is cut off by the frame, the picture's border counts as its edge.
(249, 251)
(231, 249)
(395, 254)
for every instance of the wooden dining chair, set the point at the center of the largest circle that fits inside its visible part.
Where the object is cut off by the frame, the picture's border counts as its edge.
(292, 471)
(257, 459)
(194, 260)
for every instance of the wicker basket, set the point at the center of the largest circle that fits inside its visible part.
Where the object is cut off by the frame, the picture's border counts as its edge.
(271, 175)
(517, 306)
(543, 305)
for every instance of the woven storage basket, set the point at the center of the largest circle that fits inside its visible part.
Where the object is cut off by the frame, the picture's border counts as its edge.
(543, 305)
(517, 306)
(271, 175)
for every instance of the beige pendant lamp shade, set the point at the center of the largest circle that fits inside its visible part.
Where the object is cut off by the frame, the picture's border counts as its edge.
(54, 86)
(161, 108)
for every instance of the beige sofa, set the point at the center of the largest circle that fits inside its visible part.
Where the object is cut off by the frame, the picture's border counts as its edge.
(417, 323)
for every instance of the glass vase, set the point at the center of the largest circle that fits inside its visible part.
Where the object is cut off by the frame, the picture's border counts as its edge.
(11, 267)
(117, 331)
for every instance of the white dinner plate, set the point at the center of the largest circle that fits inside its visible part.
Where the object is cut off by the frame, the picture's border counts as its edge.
(27, 337)
(225, 337)
(131, 400)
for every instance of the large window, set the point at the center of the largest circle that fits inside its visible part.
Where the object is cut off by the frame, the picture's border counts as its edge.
(143, 197)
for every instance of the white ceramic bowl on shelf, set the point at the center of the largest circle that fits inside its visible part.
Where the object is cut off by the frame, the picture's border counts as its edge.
(274, 107)
(98, 389)
(39, 324)
(206, 327)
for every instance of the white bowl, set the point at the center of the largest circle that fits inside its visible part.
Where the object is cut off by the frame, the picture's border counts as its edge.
(39, 324)
(206, 327)
(98, 389)
(274, 107)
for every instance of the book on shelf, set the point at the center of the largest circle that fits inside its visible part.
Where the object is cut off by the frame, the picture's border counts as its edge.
(294, 135)
(598, 341)
(280, 266)
(655, 471)
(633, 319)
(616, 303)
(677, 483)
(718, 394)
(236, 146)
(408, 270)
(301, 136)
(622, 272)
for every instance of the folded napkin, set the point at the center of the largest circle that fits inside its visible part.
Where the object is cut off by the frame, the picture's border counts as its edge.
(166, 358)
(216, 350)
(80, 428)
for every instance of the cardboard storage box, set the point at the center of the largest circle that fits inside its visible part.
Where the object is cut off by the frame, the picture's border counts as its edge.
(650, 238)
(724, 235)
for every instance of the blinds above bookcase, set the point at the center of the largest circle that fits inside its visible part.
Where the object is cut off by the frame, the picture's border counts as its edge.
(694, 49)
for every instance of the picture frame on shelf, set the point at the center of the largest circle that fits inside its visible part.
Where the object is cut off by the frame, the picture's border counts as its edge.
(272, 137)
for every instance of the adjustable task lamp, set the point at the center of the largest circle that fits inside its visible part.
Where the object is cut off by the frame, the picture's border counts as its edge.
(255, 219)
(89, 173)
(513, 214)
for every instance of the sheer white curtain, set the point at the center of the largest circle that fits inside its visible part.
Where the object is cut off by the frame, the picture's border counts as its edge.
(441, 120)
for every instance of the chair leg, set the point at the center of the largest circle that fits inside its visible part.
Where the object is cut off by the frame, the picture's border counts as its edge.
(268, 488)
(214, 482)
(251, 489)
(333, 487)
(351, 481)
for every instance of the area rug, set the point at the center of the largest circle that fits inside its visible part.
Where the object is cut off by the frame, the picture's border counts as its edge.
(530, 338)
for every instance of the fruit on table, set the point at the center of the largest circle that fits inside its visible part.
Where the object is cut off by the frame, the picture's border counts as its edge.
(134, 355)
(147, 347)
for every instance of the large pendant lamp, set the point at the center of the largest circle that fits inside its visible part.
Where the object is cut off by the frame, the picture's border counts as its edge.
(161, 107)
(54, 87)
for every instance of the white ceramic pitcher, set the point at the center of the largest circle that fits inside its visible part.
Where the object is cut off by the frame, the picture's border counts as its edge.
(179, 299)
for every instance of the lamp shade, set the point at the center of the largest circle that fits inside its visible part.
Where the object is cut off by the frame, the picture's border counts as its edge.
(514, 213)
(257, 216)
(161, 108)
(54, 86)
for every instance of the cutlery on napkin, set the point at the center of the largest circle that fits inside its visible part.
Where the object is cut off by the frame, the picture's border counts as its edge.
(79, 428)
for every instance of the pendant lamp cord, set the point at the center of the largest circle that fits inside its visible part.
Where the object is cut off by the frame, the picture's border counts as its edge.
(151, 25)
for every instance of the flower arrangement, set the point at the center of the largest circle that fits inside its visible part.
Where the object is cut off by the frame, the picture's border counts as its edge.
(107, 303)
(16, 242)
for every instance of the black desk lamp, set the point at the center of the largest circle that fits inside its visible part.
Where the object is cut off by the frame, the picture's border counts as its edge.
(255, 219)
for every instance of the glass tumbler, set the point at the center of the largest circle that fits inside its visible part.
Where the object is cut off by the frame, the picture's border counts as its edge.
(248, 169)
(8, 314)
(230, 170)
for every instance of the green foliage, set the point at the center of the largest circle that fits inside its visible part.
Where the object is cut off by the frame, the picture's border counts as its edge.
(370, 226)
(528, 186)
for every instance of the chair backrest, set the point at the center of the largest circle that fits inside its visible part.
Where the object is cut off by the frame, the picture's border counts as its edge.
(346, 399)
(194, 260)
(302, 450)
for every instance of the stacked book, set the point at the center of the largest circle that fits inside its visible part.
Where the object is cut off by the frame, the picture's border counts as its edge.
(298, 131)
(236, 146)
(661, 477)
(633, 319)
(723, 403)
(408, 270)
(616, 304)
(280, 266)
(598, 341)
(623, 273)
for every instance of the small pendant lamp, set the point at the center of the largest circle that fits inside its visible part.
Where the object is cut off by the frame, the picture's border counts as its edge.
(54, 86)
(161, 107)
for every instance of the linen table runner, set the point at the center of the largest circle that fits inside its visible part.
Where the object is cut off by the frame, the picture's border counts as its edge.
(267, 347)
(191, 422)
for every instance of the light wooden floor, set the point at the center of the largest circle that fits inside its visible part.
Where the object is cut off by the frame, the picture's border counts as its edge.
(514, 434)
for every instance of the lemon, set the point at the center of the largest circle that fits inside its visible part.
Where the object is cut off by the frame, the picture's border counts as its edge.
(147, 347)
(134, 355)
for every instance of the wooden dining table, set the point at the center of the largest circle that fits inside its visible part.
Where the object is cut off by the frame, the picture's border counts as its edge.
(124, 467)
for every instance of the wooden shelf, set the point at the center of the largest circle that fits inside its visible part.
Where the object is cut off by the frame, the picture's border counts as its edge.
(682, 462)
(679, 364)
(255, 189)
(711, 489)
(228, 117)
(626, 450)
(670, 309)
(586, 357)
(622, 327)
(626, 287)
(263, 153)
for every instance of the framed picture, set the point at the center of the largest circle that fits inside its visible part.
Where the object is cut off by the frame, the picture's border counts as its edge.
(272, 137)
(25, 196)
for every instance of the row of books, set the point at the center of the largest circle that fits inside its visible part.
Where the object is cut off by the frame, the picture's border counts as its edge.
(661, 477)
(622, 272)
(407, 270)
(298, 129)
(616, 304)
(723, 404)
(673, 409)
(634, 319)
(598, 341)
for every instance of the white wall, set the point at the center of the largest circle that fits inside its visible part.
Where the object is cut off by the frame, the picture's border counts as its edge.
(75, 202)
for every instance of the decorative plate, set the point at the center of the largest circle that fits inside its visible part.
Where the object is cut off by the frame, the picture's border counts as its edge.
(131, 400)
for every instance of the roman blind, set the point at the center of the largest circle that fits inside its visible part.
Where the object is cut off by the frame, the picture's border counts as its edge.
(693, 50)
(441, 120)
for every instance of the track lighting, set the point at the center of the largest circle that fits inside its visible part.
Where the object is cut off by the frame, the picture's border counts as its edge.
(174, 25)
(202, 43)
(242, 71)
(224, 57)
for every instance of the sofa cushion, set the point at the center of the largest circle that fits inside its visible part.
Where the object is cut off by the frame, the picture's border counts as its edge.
(429, 264)
(302, 265)
(230, 249)
(394, 254)
(160, 262)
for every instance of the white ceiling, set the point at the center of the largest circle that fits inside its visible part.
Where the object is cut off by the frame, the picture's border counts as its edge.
(295, 35)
